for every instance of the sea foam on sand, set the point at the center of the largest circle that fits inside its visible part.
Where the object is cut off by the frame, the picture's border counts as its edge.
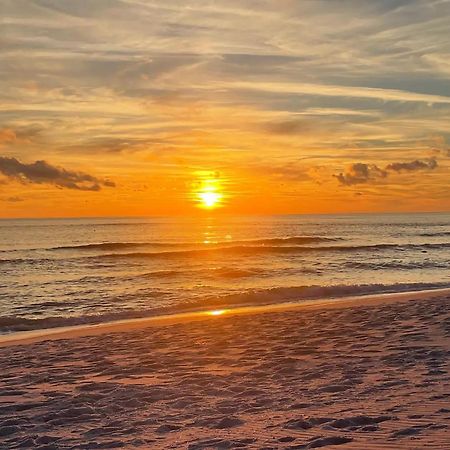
(354, 375)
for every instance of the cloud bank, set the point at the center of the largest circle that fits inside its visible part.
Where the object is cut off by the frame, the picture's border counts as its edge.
(412, 166)
(360, 173)
(41, 172)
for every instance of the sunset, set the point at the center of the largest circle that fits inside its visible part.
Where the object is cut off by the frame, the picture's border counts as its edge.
(304, 107)
(224, 224)
(209, 191)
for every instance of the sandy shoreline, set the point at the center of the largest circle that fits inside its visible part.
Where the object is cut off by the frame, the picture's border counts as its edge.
(350, 375)
(71, 332)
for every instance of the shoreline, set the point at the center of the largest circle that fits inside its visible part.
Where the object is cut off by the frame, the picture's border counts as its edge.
(370, 373)
(76, 331)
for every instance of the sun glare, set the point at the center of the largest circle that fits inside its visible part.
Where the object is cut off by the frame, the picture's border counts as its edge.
(208, 191)
(209, 199)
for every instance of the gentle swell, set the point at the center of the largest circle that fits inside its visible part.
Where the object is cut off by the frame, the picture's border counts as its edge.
(299, 240)
(218, 272)
(247, 298)
(435, 234)
(124, 245)
(248, 250)
(104, 246)
(398, 265)
(256, 250)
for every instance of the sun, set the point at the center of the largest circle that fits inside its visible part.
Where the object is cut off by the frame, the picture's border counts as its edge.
(207, 190)
(209, 199)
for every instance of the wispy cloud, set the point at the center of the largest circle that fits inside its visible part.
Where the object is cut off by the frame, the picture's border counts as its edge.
(342, 91)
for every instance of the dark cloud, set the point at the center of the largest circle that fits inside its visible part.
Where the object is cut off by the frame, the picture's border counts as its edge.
(13, 199)
(40, 172)
(428, 164)
(288, 127)
(359, 173)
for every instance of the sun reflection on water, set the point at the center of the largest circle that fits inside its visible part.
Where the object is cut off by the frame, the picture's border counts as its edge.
(217, 312)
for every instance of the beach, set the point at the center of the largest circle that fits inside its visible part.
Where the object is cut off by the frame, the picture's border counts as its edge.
(225, 224)
(367, 373)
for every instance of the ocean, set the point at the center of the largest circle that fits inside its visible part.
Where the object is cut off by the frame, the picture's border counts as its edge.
(60, 272)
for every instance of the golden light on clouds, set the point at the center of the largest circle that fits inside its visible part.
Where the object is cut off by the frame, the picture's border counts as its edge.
(164, 113)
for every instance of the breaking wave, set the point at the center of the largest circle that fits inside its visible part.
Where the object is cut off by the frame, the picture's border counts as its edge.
(252, 297)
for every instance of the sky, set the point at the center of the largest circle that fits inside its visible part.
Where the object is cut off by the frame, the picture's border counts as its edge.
(144, 107)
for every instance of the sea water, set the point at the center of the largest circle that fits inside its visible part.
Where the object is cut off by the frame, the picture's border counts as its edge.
(73, 271)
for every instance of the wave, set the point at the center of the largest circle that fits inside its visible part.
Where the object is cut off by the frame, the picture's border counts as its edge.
(255, 250)
(216, 272)
(252, 297)
(435, 234)
(297, 293)
(24, 260)
(400, 265)
(244, 250)
(299, 240)
(105, 246)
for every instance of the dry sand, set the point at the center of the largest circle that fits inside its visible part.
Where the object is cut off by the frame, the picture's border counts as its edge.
(348, 376)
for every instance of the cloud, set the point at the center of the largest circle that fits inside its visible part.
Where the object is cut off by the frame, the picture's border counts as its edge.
(7, 136)
(19, 135)
(41, 172)
(288, 127)
(331, 90)
(13, 199)
(359, 173)
(292, 171)
(412, 166)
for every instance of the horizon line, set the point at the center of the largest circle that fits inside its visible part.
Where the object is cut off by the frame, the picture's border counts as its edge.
(360, 213)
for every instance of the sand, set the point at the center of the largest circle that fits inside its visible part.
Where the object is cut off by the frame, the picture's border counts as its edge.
(343, 376)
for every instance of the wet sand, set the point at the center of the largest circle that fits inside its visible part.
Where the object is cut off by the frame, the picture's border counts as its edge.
(369, 373)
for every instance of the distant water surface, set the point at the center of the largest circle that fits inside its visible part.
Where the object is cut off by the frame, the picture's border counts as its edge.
(73, 271)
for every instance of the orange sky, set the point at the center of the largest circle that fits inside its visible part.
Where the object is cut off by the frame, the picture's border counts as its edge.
(136, 108)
